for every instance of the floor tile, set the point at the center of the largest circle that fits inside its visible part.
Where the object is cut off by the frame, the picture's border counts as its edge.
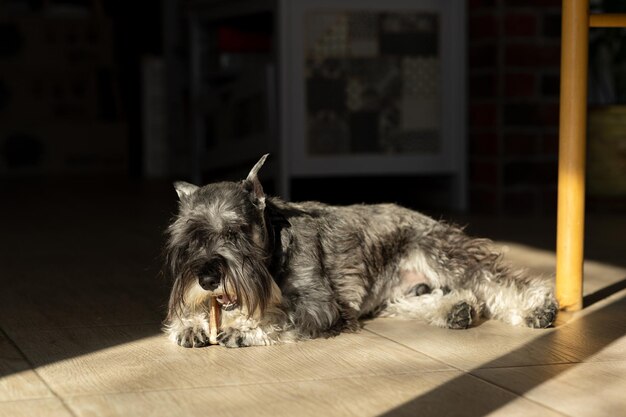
(586, 389)
(597, 333)
(82, 261)
(114, 359)
(48, 407)
(17, 380)
(604, 237)
(83, 288)
(593, 335)
(93, 305)
(85, 302)
(491, 344)
(397, 395)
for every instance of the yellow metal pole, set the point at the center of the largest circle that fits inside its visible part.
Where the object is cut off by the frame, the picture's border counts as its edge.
(614, 20)
(572, 135)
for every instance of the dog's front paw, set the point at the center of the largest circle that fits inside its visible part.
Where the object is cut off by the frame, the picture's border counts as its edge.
(192, 337)
(543, 316)
(460, 317)
(232, 338)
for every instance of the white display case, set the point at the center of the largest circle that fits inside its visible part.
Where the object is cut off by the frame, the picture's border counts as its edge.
(349, 88)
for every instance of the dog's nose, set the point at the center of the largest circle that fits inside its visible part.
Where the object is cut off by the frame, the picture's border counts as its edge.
(210, 274)
(209, 282)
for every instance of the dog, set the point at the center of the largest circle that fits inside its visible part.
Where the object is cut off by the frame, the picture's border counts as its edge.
(285, 272)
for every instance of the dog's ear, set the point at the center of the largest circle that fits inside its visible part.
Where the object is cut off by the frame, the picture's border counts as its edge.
(253, 185)
(184, 189)
(256, 168)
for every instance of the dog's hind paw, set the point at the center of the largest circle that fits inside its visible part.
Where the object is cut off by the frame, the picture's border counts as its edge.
(191, 337)
(460, 317)
(543, 316)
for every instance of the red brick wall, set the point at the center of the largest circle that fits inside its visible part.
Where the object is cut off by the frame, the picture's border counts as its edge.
(514, 56)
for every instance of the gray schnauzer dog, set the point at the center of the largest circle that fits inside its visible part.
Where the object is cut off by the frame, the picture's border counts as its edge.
(286, 271)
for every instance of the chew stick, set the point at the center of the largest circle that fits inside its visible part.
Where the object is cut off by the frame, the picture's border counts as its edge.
(214, 320)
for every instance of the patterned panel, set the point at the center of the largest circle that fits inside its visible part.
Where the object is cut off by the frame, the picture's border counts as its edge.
(330, 35)
(421, 76)
(363, 34)
(372, 82)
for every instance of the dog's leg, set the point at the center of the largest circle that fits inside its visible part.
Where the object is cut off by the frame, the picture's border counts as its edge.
(233, 337)
(238, 330)
(456, 260)
(456, 309)
(518, 299)
(187, 321)
(188, 330)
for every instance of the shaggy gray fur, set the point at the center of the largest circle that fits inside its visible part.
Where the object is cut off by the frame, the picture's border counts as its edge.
(292, 271)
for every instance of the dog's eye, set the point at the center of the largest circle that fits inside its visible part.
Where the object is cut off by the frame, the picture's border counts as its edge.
(230, 234)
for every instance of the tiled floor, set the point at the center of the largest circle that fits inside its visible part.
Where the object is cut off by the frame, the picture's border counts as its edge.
(81, 303)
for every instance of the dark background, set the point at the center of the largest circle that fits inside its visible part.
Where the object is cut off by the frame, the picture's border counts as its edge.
(71, 103)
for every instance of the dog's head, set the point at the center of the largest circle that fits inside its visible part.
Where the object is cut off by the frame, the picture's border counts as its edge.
(218, 246)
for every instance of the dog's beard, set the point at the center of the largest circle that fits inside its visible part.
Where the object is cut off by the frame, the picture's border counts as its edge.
(247, 286)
